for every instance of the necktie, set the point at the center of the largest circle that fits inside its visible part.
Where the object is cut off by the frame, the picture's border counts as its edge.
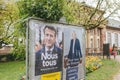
(48, 51)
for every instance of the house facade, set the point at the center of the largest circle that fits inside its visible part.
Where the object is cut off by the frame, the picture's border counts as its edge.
(109, 33)
(94, 40)
(113, 33)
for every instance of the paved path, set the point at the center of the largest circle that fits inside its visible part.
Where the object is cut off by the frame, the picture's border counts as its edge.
(117, 76)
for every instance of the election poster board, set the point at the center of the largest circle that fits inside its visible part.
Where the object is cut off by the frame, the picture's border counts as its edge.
(74, 53)
(55, 51)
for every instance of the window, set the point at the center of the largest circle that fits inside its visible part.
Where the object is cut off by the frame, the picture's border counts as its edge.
(91, 32)
(98, 43)
(116, 39)
(109, 37)
(98, 32)
(91, 43)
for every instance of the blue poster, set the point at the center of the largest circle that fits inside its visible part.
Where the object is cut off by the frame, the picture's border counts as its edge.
(72, 73)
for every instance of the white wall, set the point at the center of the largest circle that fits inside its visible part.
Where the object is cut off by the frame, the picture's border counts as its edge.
(106, 38)
(112, 38)
(118, 40)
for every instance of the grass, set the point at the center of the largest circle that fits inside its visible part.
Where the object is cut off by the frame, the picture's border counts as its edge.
(12, 70)
(106, 72)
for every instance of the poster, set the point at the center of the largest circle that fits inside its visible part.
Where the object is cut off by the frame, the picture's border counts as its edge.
(73, 54)
(48, 53)
(51, 76)
(72, 73)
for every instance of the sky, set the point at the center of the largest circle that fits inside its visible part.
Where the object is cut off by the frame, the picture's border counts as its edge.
(93, 3)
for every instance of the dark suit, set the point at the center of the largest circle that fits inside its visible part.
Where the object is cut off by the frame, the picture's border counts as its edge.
(40, 69)
(77, 50)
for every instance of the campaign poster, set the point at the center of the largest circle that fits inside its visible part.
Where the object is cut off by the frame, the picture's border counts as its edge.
(48, 54)
(72, 73)
(74, 53)
(51, 76)
(44, 50)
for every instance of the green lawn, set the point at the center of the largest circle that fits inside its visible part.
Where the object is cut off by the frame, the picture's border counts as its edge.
(12, 70)
(106, 72)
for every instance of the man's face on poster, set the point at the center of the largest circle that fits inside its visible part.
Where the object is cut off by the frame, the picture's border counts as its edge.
(49, 37)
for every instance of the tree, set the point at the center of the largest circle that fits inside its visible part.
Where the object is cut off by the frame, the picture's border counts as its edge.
(8, 15)
(45, 9)
(11, 28)
(89, 17)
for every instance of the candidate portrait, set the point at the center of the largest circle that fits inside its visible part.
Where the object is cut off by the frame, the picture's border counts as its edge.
(49, 58)
(75, 49)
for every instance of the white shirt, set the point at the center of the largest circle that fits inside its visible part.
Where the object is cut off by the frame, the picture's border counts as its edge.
(50, 50)
(73, 46)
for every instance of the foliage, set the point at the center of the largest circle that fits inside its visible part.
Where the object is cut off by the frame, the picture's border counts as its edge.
(19, 42)
(46, 9)
(11, 28)
(7, 57)
(82, 14)
(68, 12)
(92, 63)
(9, 13)
(13, 16)
(118, 51)
(19, 50)
(106, 72)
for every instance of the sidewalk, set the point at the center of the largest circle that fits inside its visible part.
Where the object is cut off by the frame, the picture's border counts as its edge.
(117, 76)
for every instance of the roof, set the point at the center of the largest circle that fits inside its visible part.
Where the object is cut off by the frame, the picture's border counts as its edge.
(113, 23)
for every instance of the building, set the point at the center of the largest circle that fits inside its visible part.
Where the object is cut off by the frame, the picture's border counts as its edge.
(94, 40)
(6, 49)
(113, 32)
(109, 33)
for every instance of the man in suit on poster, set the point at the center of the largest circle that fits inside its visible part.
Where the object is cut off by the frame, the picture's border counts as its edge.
(49, 58)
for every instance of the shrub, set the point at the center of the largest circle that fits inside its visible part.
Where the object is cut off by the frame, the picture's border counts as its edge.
(92, 63)
(118, 51)
(6, 57)
(19, 52)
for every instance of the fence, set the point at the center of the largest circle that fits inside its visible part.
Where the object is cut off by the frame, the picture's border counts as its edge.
(94, 52)
(5, 50)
